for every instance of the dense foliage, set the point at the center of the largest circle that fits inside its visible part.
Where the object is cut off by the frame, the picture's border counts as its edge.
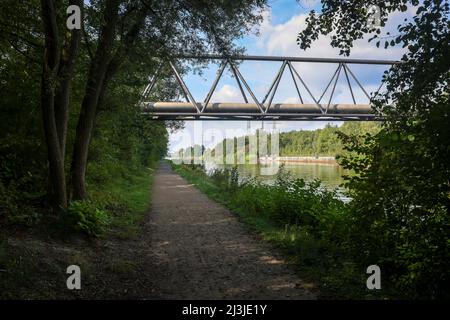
(401, 206)
(322, 142)
(123, 142)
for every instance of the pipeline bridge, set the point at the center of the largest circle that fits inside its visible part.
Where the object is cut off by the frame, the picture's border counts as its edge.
(266, 109)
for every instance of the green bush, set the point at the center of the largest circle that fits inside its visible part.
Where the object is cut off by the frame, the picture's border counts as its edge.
(293, 202)
(399, 216)
(86, 217)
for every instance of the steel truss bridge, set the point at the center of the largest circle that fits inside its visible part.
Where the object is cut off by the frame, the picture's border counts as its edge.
(264, 109)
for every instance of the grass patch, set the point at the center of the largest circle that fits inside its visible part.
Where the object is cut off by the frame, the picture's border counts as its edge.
(127, 201)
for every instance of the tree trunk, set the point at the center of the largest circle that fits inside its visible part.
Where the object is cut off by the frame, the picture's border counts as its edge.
(48, 83)
(55, 159)
(94, 86)
(65, 73)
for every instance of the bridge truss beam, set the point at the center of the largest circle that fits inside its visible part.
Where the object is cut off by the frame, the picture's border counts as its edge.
(264, 109)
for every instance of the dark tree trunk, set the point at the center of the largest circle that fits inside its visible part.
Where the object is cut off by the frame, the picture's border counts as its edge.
(94, 86)
(55, 159)
(65, 72)
(48, 84)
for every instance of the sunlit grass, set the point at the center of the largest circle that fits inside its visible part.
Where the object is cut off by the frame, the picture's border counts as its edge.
(127, 200)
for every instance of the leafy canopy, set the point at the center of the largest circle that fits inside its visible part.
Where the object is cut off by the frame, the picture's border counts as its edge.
(401, 192)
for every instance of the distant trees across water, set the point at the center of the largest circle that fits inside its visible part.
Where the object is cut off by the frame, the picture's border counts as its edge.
(322, 142)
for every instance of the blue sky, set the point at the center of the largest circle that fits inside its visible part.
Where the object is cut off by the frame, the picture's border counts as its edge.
(277, 36)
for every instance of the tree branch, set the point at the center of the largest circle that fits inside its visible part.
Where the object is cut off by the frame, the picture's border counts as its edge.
(23, 53)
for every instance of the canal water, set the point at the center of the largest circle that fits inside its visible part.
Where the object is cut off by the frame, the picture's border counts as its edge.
(330, 174)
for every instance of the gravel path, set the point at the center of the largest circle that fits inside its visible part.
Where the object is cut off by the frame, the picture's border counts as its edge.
(199, 250)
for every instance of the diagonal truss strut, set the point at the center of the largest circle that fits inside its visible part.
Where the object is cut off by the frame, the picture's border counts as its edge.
(264, 108)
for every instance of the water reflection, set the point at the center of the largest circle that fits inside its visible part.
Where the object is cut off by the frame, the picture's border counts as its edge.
(329, 174)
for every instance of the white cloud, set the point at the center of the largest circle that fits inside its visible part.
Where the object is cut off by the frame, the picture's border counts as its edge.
(264, 28)
(291, 100)
(281, 39)
(226, 93)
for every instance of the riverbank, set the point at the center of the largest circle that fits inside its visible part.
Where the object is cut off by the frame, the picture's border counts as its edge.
(300, 159)
(308, 226)
(331, 175)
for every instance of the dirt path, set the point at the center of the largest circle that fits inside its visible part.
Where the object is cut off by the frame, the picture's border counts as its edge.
(199, 250)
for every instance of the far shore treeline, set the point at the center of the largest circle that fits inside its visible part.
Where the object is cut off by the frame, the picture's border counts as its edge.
(323, 142)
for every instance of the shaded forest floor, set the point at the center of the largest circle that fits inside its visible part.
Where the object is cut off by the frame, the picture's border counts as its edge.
(110, 268)
(33, 261)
